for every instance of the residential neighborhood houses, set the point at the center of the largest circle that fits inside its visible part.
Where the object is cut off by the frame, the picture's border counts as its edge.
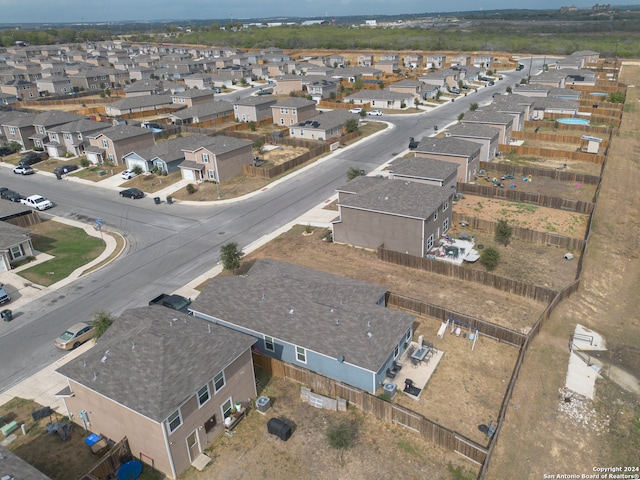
(200, 366)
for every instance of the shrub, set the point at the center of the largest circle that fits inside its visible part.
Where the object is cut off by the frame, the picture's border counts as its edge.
(101, 320)
(190, 188)
(503, 232)
(490, 257)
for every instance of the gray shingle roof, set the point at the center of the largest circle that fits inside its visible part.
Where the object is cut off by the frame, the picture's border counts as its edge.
(487, 117)
(294, 102)
(475, 130)
(55, 117)
(218, 145)
(141, 101)
(448, 146)
(257, 100)
(10, 234)
(327, 120)
(315, 310)
(119, 132)
(395, 197)
(427, 168)
(154, 363)
(204, 109)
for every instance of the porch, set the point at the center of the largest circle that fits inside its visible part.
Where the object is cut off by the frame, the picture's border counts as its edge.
(417, 363)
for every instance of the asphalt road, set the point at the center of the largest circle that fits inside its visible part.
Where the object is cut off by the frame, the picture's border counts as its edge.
(170, 245)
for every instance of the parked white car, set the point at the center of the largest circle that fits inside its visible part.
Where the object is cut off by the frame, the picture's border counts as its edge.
(38, 202)
(355, 110)
(375, 113)
(127, 174)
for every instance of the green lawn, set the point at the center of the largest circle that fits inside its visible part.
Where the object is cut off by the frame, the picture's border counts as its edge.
(71, 248)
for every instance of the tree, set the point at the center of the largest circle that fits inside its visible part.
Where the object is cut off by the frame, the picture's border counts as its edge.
(503, 232)
(342, 436)
(101, 322)
(509, 90)
(460, 117)
(230, 256)
(363, 113)
(258, 144)
(473, 107)
(190, 188)
(351, 125)
(490, 257)
(354, 172)
(137, 170)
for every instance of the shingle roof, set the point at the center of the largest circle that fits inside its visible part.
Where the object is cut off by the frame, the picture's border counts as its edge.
(257, 100)
(219, 144)
(475, 130)
(427, 168)
(327, 120)
(396, 197)
(155, 358)
(315, 310)
(55, 117)
(204, 109)
(10, 234)
(173, 149)
(294, 102)
(487, 117)
(119, 132)
(448, 146)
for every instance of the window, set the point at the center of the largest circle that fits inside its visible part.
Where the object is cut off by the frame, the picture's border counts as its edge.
(12, 131)
(435, 215)
(203, 395)
(174, 421)
(396, 351)
(301, 354)
(268, 344)
(205, 158)
(16, 252)
(111, 158)
(226, 408)
(284, 111)
(67, 136)
(430, 242)
(41, 130)
(409, 335)
(218, 382)
(282, 121)
(445, 225)
(79, 136)
(445, 206)
(212, 174)
(105, 143)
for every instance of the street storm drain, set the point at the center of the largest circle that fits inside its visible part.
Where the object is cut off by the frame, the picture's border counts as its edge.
(221, 233)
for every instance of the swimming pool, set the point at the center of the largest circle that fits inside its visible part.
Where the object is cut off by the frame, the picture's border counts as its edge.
(573, 121)
(598, 94)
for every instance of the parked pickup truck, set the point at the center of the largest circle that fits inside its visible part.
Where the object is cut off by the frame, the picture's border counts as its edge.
(4, 296)
(37, 201)
(413, 143)
(175, 302)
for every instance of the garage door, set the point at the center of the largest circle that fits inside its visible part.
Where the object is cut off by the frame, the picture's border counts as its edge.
(133, 163)
(188, 175)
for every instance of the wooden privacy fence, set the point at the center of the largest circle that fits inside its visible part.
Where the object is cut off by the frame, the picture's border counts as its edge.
(554, 137)
(533, 236)
(107, 467)
(512, 195)
(386, 411)
(586, 129)
(489, 279)
(551, 153)
(556, 174)
(424, 309)
(283, 167)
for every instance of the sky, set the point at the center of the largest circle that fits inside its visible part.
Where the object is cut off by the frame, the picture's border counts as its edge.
(47, 11)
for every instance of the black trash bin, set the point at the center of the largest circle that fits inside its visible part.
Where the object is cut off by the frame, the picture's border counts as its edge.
(58, 175)
(6, 315)
(279, 428)
(169, 199)
(156, 200)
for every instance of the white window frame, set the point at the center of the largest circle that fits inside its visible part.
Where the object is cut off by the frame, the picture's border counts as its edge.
(445, 225)
(301, 354)
(226, 412)
(212, 174)
(105, 143)
(205, 158)
(396, 351)
(204, 390)
(435, 216)
(269, 341)
(12, 131)
(430, 242)
(216, 389)
(16, 251)
(67, 136)
(177, 415)
(445, 206)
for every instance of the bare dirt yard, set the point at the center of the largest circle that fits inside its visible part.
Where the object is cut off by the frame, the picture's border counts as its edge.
(538, 437)
(576, 166)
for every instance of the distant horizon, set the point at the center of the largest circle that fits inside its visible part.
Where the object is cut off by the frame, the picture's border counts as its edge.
(161, 11)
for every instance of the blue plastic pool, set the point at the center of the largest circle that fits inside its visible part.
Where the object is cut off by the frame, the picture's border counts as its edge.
(573, 121)
(130, 470)
(598, 94)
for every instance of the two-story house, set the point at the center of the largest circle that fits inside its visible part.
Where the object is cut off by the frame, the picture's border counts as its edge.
(292, 110)
(164, 380)
(465, 153)
(253, 109)
(112, 144)
(216, 158)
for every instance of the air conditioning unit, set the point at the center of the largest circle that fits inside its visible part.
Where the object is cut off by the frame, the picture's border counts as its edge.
(390, 389)
(263, 404)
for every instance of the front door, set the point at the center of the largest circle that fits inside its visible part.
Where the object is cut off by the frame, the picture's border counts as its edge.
(193, 445)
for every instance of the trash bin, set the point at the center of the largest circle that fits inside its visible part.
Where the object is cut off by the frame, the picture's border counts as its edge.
(169, 199)
(58, 175)
(6, 315)
(156, 200)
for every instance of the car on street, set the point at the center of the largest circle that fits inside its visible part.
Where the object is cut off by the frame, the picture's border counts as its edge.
(355, 110)
(264, 92)
(216, 90)
(455, 91)
(64, 169)
(491, 83)
(11, 195)
(4, 295)
(37, 201)
(24, 170)
(375, 113)
(4, 151)
(132, 193)
(32, 158)
(128, 174)
(75, 336)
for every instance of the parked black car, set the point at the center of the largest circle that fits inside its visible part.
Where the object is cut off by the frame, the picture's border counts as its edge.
(32, 158)
(63, 169)
(132, 193)
(4, 151)
(11, 195)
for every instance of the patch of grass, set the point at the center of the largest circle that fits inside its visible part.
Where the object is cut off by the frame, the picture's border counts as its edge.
(409, 448)
(525, 207)
(71, 248)
(550, 228)
(458, 474)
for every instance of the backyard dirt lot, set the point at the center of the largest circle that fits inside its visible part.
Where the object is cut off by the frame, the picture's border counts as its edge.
(537, 437)
(576, 166)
